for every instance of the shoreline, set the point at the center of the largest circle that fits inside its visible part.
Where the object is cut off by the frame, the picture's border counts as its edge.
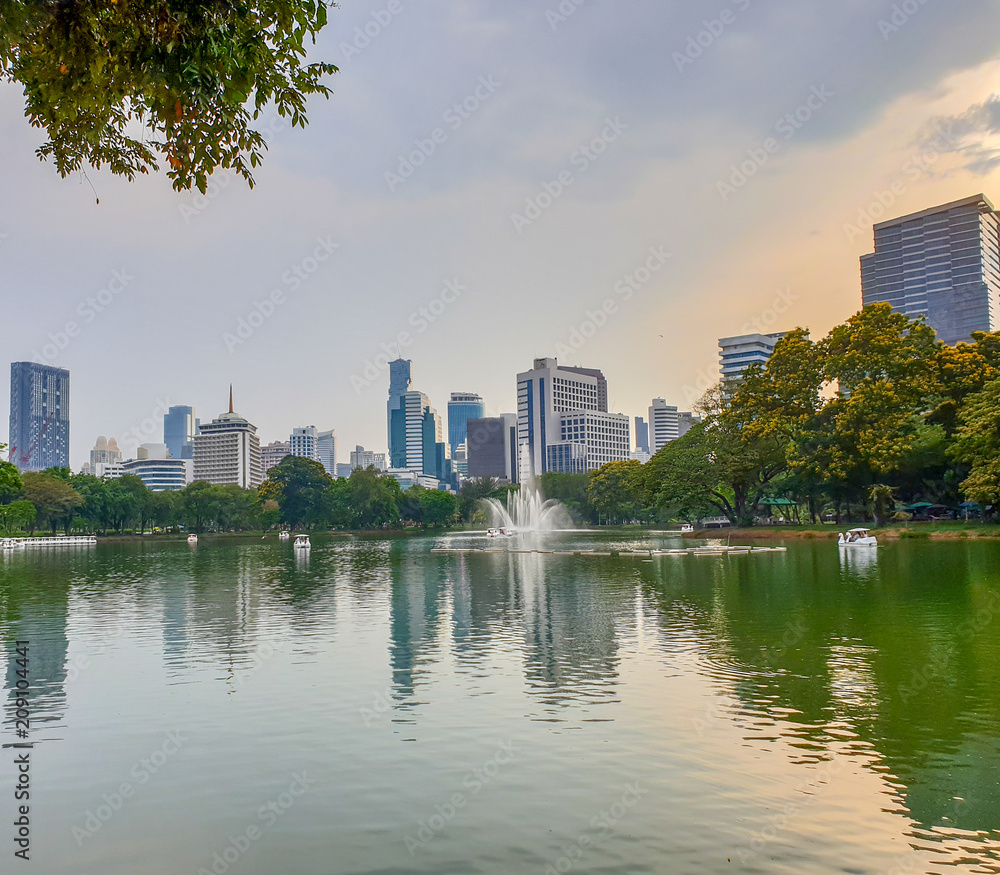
(935, 531)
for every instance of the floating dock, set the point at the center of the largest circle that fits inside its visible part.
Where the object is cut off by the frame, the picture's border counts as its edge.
(637, 554)
(66, 541)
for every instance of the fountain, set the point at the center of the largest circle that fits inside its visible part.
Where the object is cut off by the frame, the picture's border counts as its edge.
(526, 510)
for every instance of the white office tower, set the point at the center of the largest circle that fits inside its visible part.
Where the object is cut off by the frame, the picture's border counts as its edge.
(227, 451)
(303, 443)
(664, 425)
(562, 415)
(326, 451)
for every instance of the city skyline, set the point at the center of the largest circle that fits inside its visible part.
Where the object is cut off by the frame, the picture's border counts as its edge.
(669, 175)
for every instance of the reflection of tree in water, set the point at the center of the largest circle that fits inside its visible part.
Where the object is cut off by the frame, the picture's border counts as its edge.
(34, 606)
(894, 659)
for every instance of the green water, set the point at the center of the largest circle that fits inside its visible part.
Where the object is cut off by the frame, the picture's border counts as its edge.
(376, 708)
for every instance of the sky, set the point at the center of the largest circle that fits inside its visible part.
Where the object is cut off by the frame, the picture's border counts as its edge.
(493, 181)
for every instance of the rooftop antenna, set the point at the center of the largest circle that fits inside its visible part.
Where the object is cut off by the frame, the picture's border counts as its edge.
(230, 397)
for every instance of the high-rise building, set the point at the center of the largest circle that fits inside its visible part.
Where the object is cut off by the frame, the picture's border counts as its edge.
(39, 416)
(105, 451)
(426, 451)
(462, 407)
(362, 458)
(686, 422)
(492, 447)
(272, 454)
(664, 425)
(416, 434)
(326, 451)
(562, 415)
(942, 263)
(227, 451)
(303, 443)
(179, 428)
(737, 353)
(400, 380)
(641, 435)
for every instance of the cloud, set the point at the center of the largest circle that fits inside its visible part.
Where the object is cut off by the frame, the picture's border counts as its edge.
(973, 134)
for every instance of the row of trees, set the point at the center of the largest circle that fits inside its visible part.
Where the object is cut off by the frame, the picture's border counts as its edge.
(298, 494)
(875, 413)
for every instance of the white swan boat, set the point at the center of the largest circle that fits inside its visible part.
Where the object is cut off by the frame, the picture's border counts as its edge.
(499, 533)
(283, 536)
(857, 538)
(192, 539)
(302, 543)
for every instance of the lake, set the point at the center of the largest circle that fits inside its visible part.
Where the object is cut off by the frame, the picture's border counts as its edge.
(378, 708)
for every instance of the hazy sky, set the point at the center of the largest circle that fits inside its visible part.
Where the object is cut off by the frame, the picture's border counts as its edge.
(632, 113)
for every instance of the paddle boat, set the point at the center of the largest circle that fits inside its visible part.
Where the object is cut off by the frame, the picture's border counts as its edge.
(302, 543)
(857, 538)
(498, 533)
(284, 536)
(192, 539)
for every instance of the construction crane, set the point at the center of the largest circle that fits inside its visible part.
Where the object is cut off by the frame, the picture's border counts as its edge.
(26, 457)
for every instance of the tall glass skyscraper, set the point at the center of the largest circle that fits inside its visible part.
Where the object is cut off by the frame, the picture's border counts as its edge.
(39, 416)
(179, 429)
(400, 380)
(942, 263)
(462, 407)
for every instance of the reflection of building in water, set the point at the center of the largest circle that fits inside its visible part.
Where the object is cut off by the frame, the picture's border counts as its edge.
(480, 604)
(176, 607)
(225, 605)
(34, 608)
(569, 628)
(414, 622)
